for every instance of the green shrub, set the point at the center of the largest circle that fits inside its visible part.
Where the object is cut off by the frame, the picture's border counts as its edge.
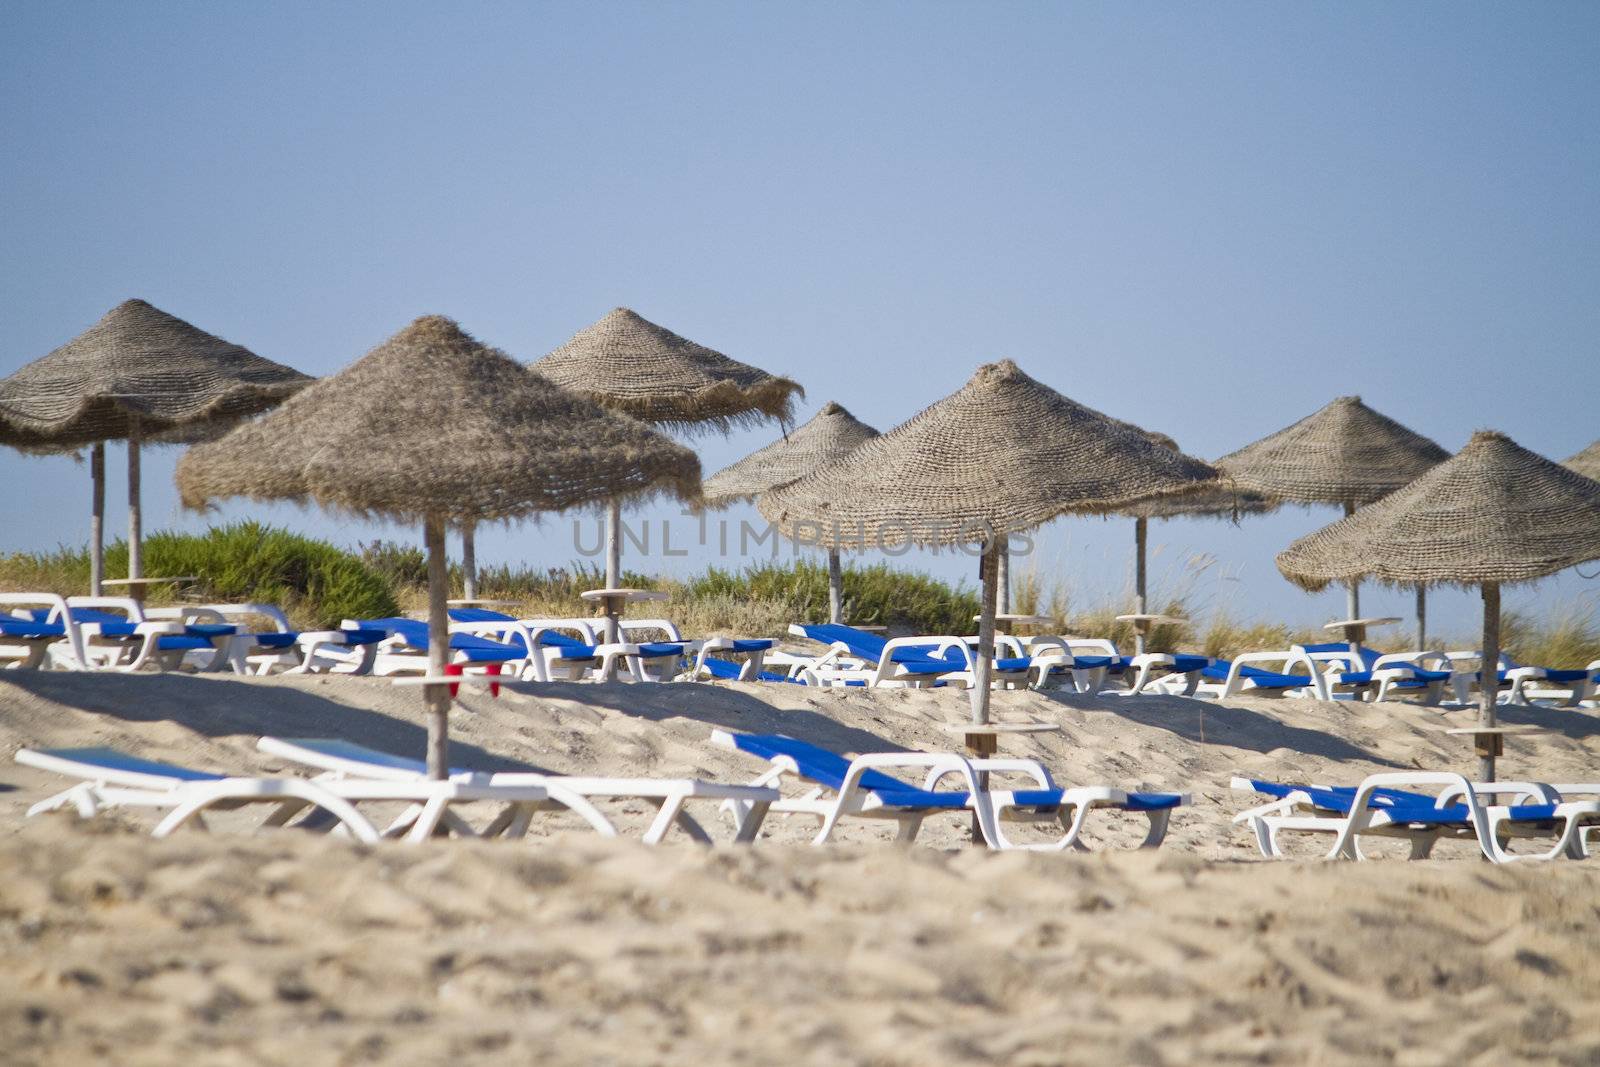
(315, 583)
(875, 594)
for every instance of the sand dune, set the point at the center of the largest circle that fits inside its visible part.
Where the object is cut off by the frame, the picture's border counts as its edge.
(288, 948)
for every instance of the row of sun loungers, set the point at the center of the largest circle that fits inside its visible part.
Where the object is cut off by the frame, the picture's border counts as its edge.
(833, 790)
(808, 781)
(117, 634)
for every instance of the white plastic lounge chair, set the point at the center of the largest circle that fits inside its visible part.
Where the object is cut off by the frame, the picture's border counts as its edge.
(278, 648)
(559, 655)
(1093, 663)
(914, 662)
(1522, 684)
(863, 788)
(1383, 806)
(26, 636)
(113, 779)
(341, 760)
(1367, 674)
(46, 631)
(754, 650)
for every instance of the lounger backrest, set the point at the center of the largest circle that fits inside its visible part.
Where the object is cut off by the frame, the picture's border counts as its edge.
(479, 615)
(814, 763)
(111, 765)
(331, 754)
(414, 632)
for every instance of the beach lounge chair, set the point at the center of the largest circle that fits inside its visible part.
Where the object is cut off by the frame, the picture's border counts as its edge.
(1367, 674)
(863, 788)
(342, 760)
(1520, 683)
(558, 655)
(1385, 805)
(26, 636)
(405, 648)
(1240, 675)
(113, 779)
(916, 662)
(1093, 662)
(43, 630)
(754, 650)
(278, 648)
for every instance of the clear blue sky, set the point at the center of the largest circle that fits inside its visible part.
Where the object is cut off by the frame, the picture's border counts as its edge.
(1209, 219)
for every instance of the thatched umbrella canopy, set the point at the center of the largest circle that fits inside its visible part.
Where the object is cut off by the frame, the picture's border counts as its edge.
(139, 374)
(629, 364)
(436, 426)
(1003, 454)
(830, 434)
(1586, 463)
(1493, 514)
(1344, 454)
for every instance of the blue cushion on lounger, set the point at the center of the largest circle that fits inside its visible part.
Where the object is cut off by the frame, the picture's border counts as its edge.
(181, 643)
(112, 760)
(30, 629)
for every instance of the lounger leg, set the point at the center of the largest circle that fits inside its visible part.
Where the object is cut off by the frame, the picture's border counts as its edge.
(582, 807)
(908, 829)
(284, 812)
(749, 826)
(426, 821)
(1157, 833)
(341, 809)
(83, 797)
(666, 815)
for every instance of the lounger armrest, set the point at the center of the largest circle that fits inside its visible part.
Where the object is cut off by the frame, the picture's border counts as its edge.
(1252, 658)
(939, 645)
(1520, 792)
(1033, 769)
(938, 765)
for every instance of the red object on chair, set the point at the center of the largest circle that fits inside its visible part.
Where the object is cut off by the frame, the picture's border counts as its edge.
(457, 669)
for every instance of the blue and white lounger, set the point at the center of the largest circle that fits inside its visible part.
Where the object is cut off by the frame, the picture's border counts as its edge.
(862, 788)
(113, 779)
(1383, 806)
(918, 662)
(344, 759)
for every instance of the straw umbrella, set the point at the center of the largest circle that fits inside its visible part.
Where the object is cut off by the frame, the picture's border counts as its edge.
(433, 425)
(830, 434)
(1586, 463)
(140, 375)
(1344, 454)
(629, 364)
(1491, 515)
(1003, 454)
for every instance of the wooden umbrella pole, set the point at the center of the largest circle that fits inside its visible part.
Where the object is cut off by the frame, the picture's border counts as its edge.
(135, 520)
(1488, 745)
(1422, 618)
(614, 546)
(1353, 594)
(97, 516)
(469, 560)
(437, 697)
(835, 588)
(988, 569)
(1002, 583)
(1141, 533)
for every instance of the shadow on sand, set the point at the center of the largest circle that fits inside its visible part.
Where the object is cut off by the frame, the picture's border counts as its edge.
(222, 707)
(1207, 722)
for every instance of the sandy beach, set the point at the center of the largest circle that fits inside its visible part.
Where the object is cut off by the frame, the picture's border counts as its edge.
(293, 948)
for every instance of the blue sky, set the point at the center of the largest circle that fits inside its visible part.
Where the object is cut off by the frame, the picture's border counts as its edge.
(1208, 219)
